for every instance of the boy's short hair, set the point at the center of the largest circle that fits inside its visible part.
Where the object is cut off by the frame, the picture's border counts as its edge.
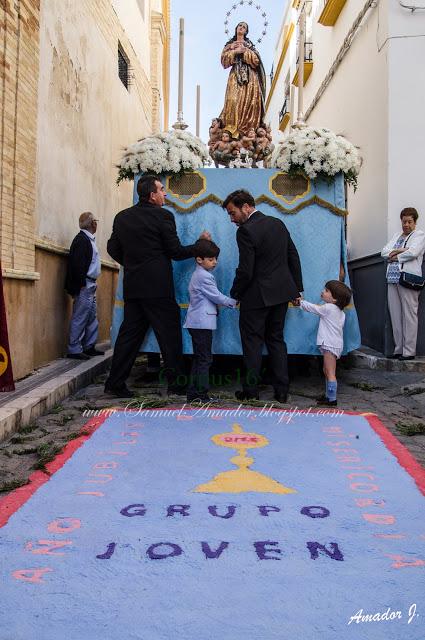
(206, 249)
(340, 292)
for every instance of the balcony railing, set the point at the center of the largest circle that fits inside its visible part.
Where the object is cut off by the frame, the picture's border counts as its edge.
(284, 110)
(308, 52)
(308, 63)
(284, 114)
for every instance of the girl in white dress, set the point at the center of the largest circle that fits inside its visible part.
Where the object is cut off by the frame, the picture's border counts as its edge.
(336, 296)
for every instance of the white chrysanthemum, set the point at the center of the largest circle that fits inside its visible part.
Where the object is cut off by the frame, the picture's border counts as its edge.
(308, 168)
(317, 150)
(169, 151)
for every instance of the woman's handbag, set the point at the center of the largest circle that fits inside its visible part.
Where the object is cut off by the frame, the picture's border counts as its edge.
(410, 280)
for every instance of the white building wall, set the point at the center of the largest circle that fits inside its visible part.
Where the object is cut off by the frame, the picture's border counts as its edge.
(278, 95)
(406, 54)
(134, 16)
(277, 98)
(377, 100)
(355, 105)
(328, 40)
(85, 117)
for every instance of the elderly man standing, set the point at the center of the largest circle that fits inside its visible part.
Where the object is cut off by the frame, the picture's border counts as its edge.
(144, 240)
(83, 271)
(268, 277)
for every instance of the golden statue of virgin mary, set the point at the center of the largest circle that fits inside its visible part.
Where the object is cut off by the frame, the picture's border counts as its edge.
(245, 93)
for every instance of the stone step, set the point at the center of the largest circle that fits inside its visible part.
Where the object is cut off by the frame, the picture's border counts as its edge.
(46, 388)
(366, 358)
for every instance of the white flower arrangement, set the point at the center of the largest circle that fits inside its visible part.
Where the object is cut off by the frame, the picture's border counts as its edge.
(168, 152)
(317, 152)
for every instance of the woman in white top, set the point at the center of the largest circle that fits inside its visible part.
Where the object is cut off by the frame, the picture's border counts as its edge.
(404, 252)
(336, 296)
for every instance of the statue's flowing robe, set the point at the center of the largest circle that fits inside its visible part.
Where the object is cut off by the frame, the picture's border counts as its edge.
(244, 100)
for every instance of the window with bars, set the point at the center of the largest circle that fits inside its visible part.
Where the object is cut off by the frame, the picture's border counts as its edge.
(308, 52)
(123, 67)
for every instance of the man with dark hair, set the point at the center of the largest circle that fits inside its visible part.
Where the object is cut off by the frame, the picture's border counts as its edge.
(267, 278)
(144, 240)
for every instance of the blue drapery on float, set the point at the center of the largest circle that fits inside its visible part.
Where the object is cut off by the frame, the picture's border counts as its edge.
(315, 220)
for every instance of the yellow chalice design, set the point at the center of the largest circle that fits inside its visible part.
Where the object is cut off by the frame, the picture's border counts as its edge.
(241, 480)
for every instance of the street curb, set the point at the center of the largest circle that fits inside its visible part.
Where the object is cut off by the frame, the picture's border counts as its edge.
(26, 408)
(369, 361)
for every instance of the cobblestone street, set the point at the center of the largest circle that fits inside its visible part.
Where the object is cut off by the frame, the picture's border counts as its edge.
(398, 398)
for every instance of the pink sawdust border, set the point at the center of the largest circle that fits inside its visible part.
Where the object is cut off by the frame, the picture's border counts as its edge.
(14, 500)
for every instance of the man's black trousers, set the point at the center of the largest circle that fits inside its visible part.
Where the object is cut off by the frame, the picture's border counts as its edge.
(259, 327)
(163, 314)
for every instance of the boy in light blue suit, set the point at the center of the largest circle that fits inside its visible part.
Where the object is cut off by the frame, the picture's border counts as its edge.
(201, 319)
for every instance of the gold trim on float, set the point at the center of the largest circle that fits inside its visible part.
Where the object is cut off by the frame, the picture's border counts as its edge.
(120, 304)
(190, 198)
(195, 205)
(287, 200)
(347, 308)
(330, 13)
(263, 198)
(185, 305)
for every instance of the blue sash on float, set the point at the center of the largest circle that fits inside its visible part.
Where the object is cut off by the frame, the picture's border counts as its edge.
(316, 222)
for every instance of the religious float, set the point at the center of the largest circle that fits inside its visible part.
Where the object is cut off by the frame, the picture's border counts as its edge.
(301, 181)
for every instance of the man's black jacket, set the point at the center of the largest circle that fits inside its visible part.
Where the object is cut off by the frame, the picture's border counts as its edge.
(144, 240)
(269, 270)
(79, 259)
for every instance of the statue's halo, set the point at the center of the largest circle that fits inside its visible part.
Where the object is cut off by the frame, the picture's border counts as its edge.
(249, 3)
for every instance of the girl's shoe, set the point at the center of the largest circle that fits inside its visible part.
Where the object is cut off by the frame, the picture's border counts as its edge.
(321, 398)
(325, 402)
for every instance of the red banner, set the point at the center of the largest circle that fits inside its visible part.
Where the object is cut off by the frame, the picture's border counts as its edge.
(6, 373)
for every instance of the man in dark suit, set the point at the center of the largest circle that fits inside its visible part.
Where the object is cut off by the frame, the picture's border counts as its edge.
(144, 240)
(267, 278)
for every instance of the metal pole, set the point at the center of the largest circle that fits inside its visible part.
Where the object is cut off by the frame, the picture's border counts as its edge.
(291, 104)
(301, 47)
(198, 108)
(181, 67)
(180, 124)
